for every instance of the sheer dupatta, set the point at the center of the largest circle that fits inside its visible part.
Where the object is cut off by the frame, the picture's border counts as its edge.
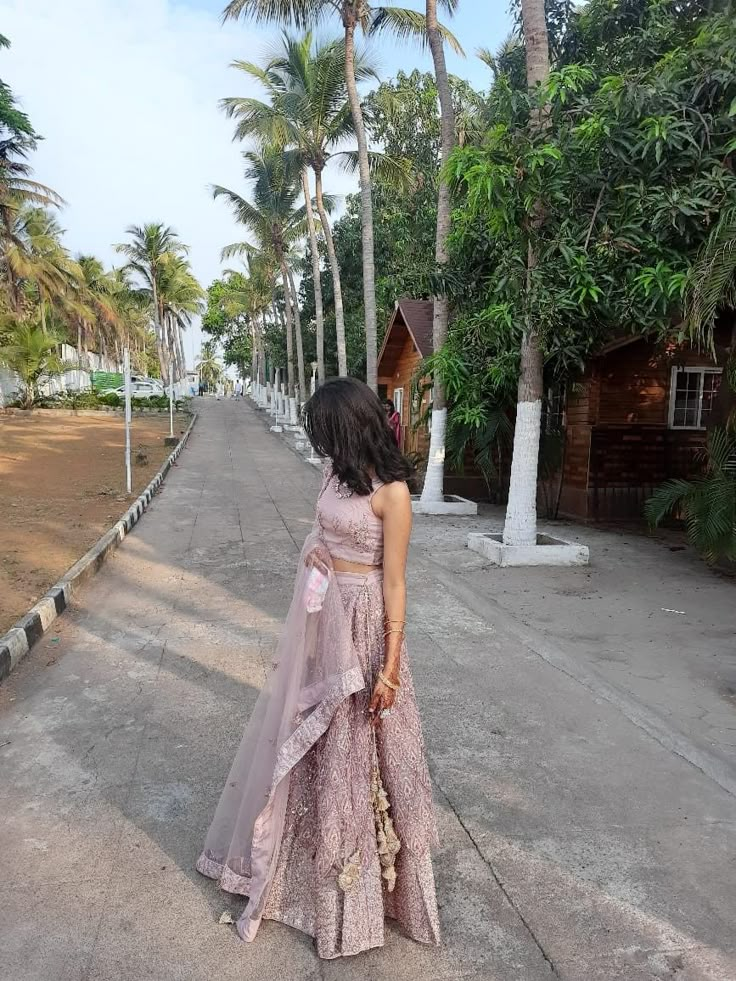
(315, 668)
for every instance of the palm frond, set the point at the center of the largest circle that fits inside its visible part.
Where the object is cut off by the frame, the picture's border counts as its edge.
(707, 503)
(395, 171)
(713, 278)
(409, 25)
(298, 13)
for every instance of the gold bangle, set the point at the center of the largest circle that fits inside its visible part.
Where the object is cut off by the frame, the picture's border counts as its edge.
(387, 632)
(389, 684)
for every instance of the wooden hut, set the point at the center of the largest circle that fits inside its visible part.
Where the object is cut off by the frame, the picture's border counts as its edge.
(637, 418)
(407, 341)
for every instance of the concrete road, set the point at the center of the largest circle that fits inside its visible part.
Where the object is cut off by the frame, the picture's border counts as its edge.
(575, 843)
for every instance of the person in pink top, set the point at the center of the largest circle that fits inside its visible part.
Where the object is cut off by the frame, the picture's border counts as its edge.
(326, 821)
(394, 420)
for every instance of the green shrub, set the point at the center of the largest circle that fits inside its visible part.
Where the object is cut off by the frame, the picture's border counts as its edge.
(90, 399)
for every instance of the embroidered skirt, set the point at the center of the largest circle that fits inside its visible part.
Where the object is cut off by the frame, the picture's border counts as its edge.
(330, 817)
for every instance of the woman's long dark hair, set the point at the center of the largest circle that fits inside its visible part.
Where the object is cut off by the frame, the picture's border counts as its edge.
(346, 421)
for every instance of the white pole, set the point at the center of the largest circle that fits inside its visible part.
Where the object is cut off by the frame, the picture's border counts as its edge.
(126, 372)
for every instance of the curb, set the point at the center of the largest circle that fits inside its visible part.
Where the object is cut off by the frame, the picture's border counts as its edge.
(16, 643)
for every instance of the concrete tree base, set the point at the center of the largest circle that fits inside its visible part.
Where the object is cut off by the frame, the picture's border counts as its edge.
(276, 429)
(450, 504)
(547, 551)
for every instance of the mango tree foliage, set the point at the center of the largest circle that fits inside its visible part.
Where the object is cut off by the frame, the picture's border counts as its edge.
(615, 195)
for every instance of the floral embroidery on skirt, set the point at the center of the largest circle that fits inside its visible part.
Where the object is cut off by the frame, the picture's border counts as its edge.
(330, 834)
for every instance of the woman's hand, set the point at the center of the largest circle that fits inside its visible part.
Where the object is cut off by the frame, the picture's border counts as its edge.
(318, 558)
(383, 699)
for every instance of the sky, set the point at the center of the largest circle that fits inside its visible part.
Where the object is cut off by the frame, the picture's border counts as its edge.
(125, 94)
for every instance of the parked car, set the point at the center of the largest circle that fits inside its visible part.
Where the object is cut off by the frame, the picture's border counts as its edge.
(138, 390)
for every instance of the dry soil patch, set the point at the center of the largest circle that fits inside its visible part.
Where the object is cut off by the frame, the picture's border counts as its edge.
(62, 484)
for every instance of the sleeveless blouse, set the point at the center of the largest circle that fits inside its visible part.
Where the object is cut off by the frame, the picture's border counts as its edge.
(347, 524)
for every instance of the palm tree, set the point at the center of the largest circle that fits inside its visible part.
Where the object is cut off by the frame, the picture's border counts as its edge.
(133, 309)
(276, 225)
(181, 299)
(147, 255)
(707, 503)
(36, 267)
(308, 110)
(97, 313)
(250, 292)
(521, 511)
(353, 14)
(435, 476)
(208, 366)
(31, 352)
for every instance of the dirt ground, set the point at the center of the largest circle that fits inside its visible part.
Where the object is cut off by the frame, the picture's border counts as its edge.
(62, 484)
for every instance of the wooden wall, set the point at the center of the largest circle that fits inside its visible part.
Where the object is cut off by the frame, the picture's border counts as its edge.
(618, 445)
(407, 362)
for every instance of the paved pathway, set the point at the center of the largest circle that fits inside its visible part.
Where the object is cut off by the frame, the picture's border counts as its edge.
(574, 845)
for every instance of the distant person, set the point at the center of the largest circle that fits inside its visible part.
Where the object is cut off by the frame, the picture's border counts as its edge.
(394, 420)
(201, 389)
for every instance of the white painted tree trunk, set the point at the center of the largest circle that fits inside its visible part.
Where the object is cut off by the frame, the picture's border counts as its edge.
(433, 490)
(434, 479)
(276, 390)
(521, 511)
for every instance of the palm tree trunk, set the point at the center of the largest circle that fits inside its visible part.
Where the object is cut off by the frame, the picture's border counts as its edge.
(299, 341)
(160, 346)
(434, 480)
(342, 357)
(521, 512)
(366, 205)
(289, 329)
(316, 275)
(180, 351)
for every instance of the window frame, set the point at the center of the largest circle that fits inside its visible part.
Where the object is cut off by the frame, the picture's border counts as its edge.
(690, 369)
(399, 403)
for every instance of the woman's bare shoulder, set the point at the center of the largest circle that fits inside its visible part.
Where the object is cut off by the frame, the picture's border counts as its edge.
(394, 495)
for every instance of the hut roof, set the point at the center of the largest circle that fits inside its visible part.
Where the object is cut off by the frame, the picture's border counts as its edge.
(415, 316)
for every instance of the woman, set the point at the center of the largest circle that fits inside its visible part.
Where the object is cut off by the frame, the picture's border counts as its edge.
(326, 819)
(394, 420)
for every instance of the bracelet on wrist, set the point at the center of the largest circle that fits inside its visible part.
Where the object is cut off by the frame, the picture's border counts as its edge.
(394, 686)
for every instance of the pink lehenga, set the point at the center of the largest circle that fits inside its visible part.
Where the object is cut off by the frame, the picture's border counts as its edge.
(305, 825)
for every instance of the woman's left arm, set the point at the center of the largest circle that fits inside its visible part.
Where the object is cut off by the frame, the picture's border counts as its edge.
(392, 503)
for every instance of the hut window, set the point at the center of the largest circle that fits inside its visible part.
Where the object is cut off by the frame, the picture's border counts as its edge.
(693, 392)
(553, 409)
